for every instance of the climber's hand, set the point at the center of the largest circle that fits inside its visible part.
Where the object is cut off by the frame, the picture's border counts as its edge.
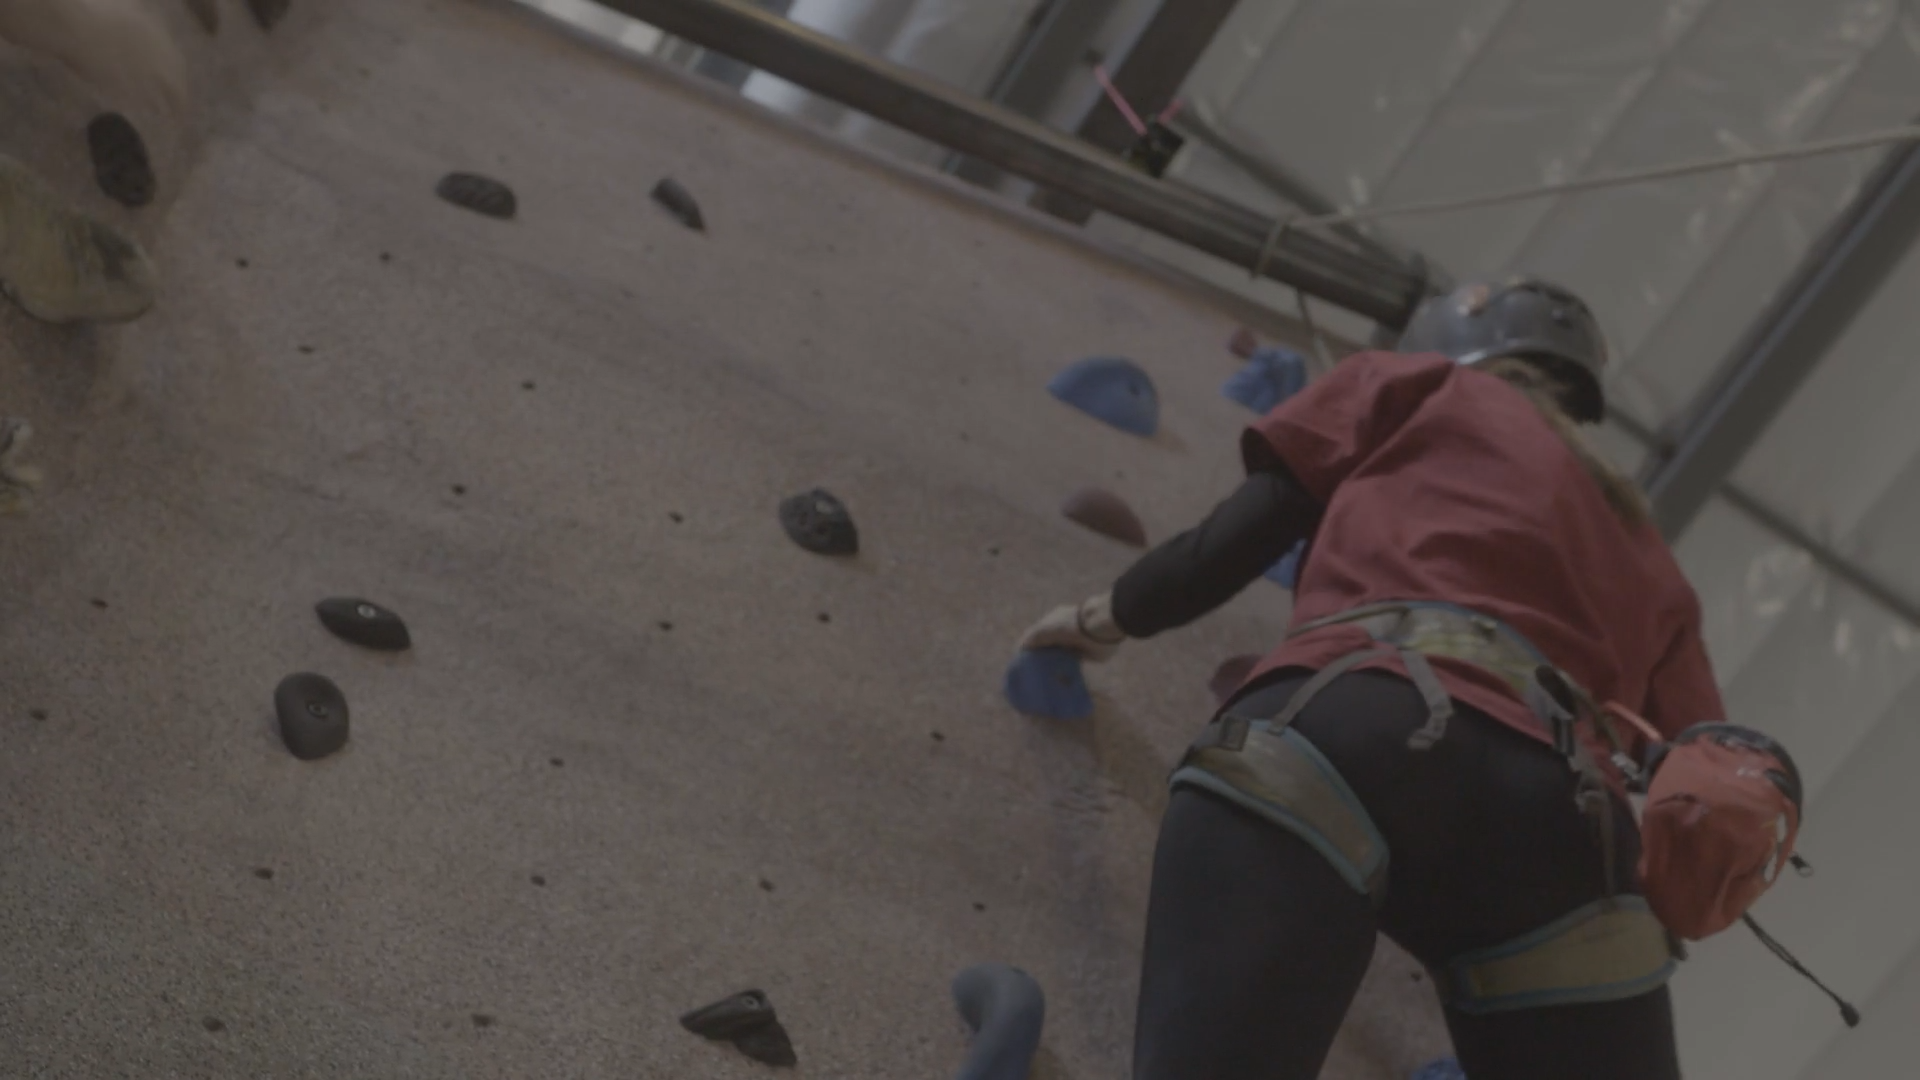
(1086, 628)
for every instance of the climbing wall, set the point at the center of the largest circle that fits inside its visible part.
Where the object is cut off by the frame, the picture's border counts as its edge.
(643, 751)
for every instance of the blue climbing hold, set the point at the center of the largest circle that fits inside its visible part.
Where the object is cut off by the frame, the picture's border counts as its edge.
(1440, 1069)
(1113, 391)
(1271, 376)
(1048, 683)
(1286, 572)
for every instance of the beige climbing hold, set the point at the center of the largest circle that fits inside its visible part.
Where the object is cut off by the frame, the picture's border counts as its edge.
(62, 266)
(17, 480)
(206, 13)
(122, 48)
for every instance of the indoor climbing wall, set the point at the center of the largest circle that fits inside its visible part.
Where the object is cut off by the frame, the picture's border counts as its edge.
(404, 668)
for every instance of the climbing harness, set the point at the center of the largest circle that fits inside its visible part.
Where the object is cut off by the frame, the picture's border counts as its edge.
(1611, 949)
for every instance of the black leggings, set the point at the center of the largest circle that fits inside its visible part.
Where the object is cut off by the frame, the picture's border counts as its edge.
(1255, 946)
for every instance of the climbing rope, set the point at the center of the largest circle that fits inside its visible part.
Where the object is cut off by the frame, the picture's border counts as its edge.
(1819, 148)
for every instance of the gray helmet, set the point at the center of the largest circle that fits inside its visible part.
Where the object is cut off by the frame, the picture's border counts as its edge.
(1524, 318)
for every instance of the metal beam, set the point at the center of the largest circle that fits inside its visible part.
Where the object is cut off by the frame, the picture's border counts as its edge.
(1151, 75)
(1836, 280)
(1318, 265)
(1862, 580)
(1285, 183)
(1054, 48)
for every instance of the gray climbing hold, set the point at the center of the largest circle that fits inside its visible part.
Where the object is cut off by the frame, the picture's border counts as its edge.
(313, 715)
(680, 203)
(268, 13)
(480, 194)
(747, 1021)
(120, 162)
(364, 623)
(1107, 514)
(1006, 1010)
(820, 523)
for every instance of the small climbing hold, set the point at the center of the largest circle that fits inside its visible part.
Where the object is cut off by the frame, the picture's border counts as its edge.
(1006, 1010)
(264, 873)
(679, 202)
(1229, 676)
(18, 480)
(206, 13)
(313, 715)
(268, 13)
(120, 163)
(820, 523)
(1047, 683)
(364, 623)
(1270, 377)
(482, 1020)
(1113, 391)
(214, 1024)
(747, 1021)
(1105, 513)
(480, 194)
(1440, 1069)
(730, 1017)
(61, 266)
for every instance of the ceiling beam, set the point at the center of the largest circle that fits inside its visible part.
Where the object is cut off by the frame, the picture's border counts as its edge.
(1832, 285)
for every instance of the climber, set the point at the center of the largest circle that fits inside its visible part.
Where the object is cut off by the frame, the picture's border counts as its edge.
(1426, 754)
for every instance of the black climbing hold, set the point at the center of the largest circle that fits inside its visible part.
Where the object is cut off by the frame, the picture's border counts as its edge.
(364, 623)
(313, 715)
(731, 1017)
(480, 194)
(214, 1024)
(482, 1020)
(680, 203)
(268, 13)
(820, 523)
(746, 1019)
(120, 162)
(206, 13)
(769, 1045)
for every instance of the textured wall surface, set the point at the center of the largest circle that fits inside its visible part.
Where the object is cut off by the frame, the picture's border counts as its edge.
(555, 445)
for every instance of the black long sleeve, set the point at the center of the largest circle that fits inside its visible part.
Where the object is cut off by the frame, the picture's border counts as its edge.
(1204, 567)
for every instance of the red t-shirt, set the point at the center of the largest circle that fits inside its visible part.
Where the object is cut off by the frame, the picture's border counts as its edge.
(1444, 483)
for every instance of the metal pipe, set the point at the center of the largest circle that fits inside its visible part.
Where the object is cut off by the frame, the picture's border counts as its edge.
(1378, 290)
(1832, 285)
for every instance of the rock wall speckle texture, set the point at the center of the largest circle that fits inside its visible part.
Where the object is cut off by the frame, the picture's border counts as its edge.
(644, 751)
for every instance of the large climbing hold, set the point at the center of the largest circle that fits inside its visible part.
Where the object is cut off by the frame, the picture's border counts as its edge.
(1048, 683)
(61, 266)
(1107, 514)
(819, 522)
(1113, 391)
(313, 715)
(1271, 376)
(364, 623)
(1006, 1010)
(480, 194)
(120, 163)
(746, 1020)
